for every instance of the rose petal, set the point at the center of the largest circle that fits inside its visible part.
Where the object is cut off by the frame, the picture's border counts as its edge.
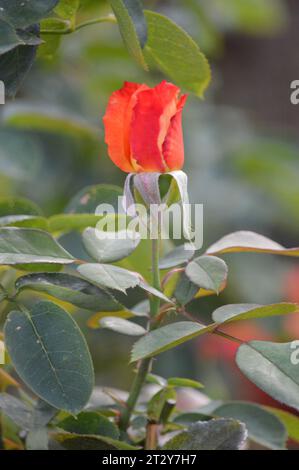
(117, 122)
(150, 123)
(173, 146)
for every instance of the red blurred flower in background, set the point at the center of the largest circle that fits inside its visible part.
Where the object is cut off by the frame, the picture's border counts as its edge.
(143, 128)
(222, 353)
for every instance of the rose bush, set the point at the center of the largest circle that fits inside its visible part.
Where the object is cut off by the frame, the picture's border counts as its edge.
(48, 396)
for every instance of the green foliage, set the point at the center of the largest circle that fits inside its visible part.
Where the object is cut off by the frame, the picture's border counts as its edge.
(17, 206)
(175, 53)
(88, 199)
(270, 367)
(218, 434)
(179, 382)
(238, 312)
(290, 421)
(106, 249)
(46, 362)
(44, 345)
(167, 337)
(29, 246)
(185, 290)
(34, 117)
(70, 289)
(176, 257)
(159, 403)
(10, 39)
(22, 14)
(88, 422)
(251, 242)
(120, 325)
(111, 277)
(207, 272)
(132, 26)
(19, 38)
(67, 9)
(14, 66)
(71, 441)
(263, 427)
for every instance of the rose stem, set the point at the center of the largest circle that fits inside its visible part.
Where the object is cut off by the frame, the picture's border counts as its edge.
(145, 364)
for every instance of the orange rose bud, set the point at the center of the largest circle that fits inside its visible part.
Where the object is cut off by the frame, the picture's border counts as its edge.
(143, 128)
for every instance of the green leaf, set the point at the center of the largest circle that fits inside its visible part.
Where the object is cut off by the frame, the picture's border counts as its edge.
(167, 337)
(108, 247)
(237, 312)
(30, 246)
(70, 289)
(94, 321)
(109, 276)
(176, 257)
(24, 221)
(151, 290)
(46, 119)
(121, 325)
(185, 290)
(180, 382)
(207, 272)
(89, 198)
(290, 421)
(67, 9)
(14, 66)
(263, 427)
(271, 368)
(175, 53)
(9, 38)
(22, 13)
(69, 222)
(132, 25)
(20, 206)
(89, 422)
(64, 19)
(72, 441)
(139, 260)
(21, 212)
(245, 241)
(50, 355)
(156, 380)
(52, 41)
(191, 417)
(217, 434)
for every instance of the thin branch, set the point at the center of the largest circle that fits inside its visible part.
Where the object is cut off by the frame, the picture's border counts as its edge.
(71, 29)
(214, 331)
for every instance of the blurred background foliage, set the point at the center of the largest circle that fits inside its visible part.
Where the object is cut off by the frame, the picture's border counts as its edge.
(241, 157)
